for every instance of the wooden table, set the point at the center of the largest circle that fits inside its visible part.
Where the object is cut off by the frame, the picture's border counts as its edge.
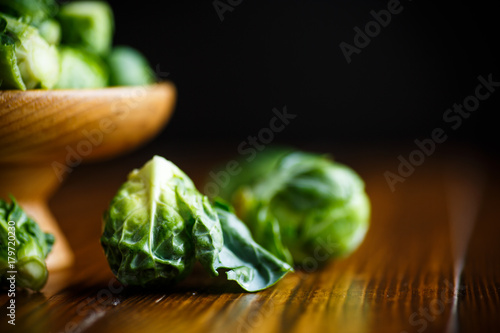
(429, 263)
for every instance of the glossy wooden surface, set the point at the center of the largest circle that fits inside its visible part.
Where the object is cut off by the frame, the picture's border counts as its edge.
(413, 273)
(40, 125)
(46, 134)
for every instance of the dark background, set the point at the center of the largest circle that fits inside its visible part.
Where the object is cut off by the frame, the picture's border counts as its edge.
(231, 74)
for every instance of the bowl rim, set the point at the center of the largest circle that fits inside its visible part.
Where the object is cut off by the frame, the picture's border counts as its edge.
(85, 91)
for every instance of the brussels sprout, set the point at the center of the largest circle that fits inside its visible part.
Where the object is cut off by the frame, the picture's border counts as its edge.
(298, 205)
(32, 11)
(158, 225)
(80, 69)
(87, 24)
(50, 30)
(29, 247)
(128, 67)
(27, 61)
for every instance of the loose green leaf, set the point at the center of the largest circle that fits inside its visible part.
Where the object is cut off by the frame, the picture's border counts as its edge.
(249, 264)
(31, 247)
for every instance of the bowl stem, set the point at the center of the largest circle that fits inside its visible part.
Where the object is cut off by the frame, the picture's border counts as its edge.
(32, 186)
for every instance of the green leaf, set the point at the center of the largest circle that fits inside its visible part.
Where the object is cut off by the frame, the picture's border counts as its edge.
(3, 24)
(10, 75)
(250, 265)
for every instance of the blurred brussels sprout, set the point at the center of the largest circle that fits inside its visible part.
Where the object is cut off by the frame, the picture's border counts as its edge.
(50, 30)
(80, 69)
(298, 205)
(87, 24)
(22, 239)
(158, 225)
(27, 61)
(128, 67)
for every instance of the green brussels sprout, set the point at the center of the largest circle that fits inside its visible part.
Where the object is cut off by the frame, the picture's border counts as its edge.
(27, 61)
(22, 239)
(50, 30)
(300, 205)
(80, 69)
(158, 225)
(31, 11)
(128, 67)
(88, 25)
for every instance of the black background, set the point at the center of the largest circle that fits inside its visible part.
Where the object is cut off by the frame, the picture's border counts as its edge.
(231, 73)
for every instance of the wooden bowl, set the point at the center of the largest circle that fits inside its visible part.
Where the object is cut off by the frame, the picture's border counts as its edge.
(45, 134)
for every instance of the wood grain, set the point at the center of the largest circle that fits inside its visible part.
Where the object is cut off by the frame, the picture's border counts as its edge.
(39, 125)
(403, 278)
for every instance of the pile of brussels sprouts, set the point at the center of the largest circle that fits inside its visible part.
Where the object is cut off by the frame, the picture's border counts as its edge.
(69, 46)
(292, 209)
